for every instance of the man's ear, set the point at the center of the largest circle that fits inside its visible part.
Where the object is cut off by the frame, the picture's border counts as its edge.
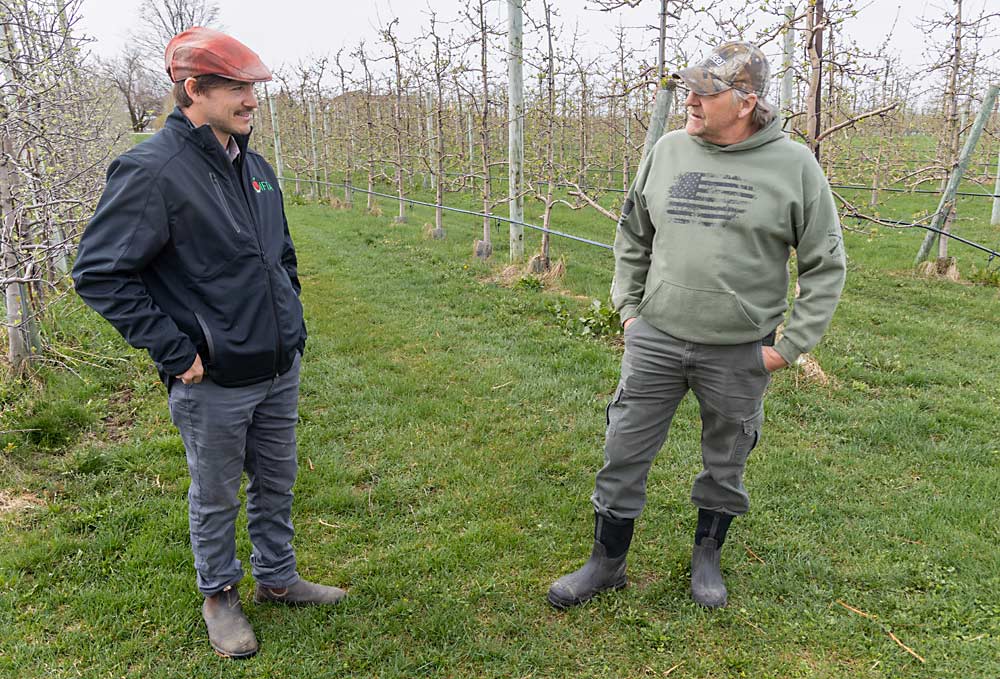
(189, 87)
(747, 105)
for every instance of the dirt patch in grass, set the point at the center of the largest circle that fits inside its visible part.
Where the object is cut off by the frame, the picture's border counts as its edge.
(512, 274)
(11, 502)
(507, 277)
(120, 417)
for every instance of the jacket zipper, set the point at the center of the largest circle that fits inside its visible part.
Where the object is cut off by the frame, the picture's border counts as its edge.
(267, 268)
(222, 200)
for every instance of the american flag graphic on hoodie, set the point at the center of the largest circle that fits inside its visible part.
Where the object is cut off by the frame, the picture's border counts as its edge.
(708, 199)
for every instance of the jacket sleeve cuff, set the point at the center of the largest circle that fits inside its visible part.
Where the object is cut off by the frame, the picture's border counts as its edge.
(788, 351)
(179, 366)
(627, 312)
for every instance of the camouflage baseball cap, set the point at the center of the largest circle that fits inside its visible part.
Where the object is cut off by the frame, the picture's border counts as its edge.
(731, 65)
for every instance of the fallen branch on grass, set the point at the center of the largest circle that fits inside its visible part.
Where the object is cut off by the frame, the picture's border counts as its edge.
(753, 554)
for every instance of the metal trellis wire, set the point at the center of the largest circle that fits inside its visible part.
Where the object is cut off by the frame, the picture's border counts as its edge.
(412, 201)
(473, 213)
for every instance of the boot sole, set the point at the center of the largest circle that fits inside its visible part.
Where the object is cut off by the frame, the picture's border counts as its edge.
(234, 656)
(259, 598)
(712, 605)
(563, 604)
(286, 602)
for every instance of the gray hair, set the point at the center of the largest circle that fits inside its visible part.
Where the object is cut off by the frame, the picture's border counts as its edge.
(763, 112)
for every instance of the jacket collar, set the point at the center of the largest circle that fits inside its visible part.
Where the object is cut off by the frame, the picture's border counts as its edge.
(203, 136)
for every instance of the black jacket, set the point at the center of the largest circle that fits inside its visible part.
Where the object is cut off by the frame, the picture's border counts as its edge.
(189, 252)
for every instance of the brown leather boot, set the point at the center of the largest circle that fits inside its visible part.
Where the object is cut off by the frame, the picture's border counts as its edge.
(229, 631)
(301, 593)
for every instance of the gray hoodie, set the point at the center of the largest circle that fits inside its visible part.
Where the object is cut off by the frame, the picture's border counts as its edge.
(703, 244)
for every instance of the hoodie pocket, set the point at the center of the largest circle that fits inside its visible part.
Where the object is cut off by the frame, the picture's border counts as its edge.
(698, 312)
(222, 201)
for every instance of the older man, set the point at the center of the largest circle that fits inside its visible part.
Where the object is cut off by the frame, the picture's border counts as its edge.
(701, 282)
(188, 255)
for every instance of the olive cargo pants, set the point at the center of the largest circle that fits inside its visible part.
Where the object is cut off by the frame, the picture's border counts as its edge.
(729, 382)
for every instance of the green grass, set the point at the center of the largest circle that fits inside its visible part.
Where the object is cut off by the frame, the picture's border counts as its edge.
(450, 431)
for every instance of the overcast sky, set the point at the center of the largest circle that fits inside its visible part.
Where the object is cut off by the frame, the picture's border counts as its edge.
(286, 31)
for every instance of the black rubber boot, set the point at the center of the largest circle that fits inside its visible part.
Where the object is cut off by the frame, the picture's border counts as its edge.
(707, 587)
(603, 571)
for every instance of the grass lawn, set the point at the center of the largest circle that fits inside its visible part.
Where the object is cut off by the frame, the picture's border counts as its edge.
(449, 436)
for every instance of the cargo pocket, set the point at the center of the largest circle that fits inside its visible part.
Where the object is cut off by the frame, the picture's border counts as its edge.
(748, 437)
(613, 413)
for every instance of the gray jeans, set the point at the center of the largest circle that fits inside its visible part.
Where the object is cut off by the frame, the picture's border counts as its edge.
(227, 431)
(657, 371)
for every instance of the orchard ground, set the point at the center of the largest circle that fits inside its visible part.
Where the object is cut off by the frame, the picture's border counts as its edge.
(450, 431)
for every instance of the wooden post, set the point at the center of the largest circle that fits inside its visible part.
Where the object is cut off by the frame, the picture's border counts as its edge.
(946, 207)
(515, 128)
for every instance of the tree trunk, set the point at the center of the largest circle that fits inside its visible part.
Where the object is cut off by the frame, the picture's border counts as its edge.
(15, 293)
(815, 104)
(314, 192)
(438, 119)
(485, 251)
(515, 128)
(787, 64)
(664, 93)
(272, 107)
(349, 133)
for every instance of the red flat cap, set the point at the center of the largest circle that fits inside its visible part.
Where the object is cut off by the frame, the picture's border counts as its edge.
(202, 51)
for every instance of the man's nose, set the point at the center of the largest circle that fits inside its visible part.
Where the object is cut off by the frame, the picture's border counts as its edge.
(691, 98)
